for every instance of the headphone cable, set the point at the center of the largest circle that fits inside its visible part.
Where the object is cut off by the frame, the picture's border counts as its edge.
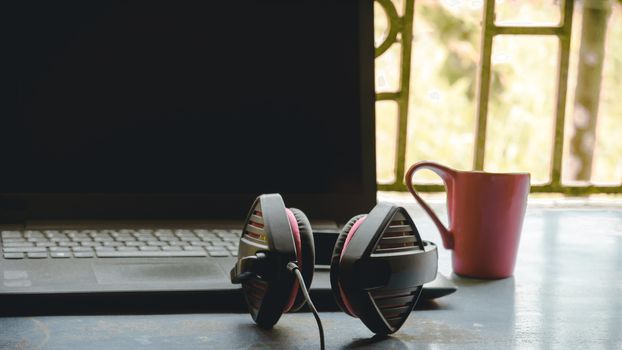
(294, 268)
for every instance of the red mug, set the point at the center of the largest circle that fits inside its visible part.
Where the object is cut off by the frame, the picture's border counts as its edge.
(486, 212)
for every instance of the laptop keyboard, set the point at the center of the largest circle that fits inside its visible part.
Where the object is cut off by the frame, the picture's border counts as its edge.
(143, 243)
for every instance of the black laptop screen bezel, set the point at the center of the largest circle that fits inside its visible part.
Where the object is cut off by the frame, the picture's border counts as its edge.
(19, 207)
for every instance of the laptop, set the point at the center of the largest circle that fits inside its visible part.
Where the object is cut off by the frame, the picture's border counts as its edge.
(136, 135)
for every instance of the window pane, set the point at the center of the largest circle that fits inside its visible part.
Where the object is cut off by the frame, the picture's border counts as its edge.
(386, 135)
(381, 24)
(388, 70)
(528, 12)
(441, 120)
(521, 107)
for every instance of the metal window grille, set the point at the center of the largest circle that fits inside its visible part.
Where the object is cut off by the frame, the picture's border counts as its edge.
(401, 29)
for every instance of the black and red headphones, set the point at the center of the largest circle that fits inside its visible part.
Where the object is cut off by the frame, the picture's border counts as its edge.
(378, 267)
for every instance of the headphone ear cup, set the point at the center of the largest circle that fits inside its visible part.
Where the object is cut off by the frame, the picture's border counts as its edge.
(379, 266)
(268, 230)
(308, 255)
(334, 265)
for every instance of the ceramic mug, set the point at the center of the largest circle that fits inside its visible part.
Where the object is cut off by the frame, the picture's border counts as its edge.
(485, 212)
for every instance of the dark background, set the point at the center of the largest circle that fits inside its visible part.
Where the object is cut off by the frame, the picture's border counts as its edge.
(180, 97)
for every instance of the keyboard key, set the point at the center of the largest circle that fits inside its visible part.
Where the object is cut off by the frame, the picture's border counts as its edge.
(148, 254)
(37, 255)
(134, 244)
(189, 238)
(25, 250)
(60, 254)
(140, 233)
(83, 254)
(11, 234)
(83, 249)
(33, 233)
(169, 238)
(201, 244)
(45, 244)
(90, 244)
(68, 244)
(157, 243)
(54, 233)
(219, 253)
(79, 235)
(214, 249)
(103, 233)
(149, 248)
(59, 249)
(14, 240)
(127, 249)
(212, 239)
(168, 249)
(205, 235)
(82, 239)
(13, 255)
(192, 248)
(113, 244)
(17, 244)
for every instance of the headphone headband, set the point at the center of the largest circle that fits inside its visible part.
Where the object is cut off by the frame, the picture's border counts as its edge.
(399, 271)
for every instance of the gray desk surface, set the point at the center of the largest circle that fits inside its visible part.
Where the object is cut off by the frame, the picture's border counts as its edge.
(566, 294)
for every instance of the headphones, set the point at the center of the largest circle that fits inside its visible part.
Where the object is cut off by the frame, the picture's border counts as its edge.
(378, 266)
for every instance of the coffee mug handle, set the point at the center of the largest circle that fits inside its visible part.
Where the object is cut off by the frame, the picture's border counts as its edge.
(448, 175)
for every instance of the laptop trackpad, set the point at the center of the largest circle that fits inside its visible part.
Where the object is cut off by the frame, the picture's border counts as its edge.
(156, 272)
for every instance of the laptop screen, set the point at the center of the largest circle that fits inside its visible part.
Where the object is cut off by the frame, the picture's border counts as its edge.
(176, 99)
